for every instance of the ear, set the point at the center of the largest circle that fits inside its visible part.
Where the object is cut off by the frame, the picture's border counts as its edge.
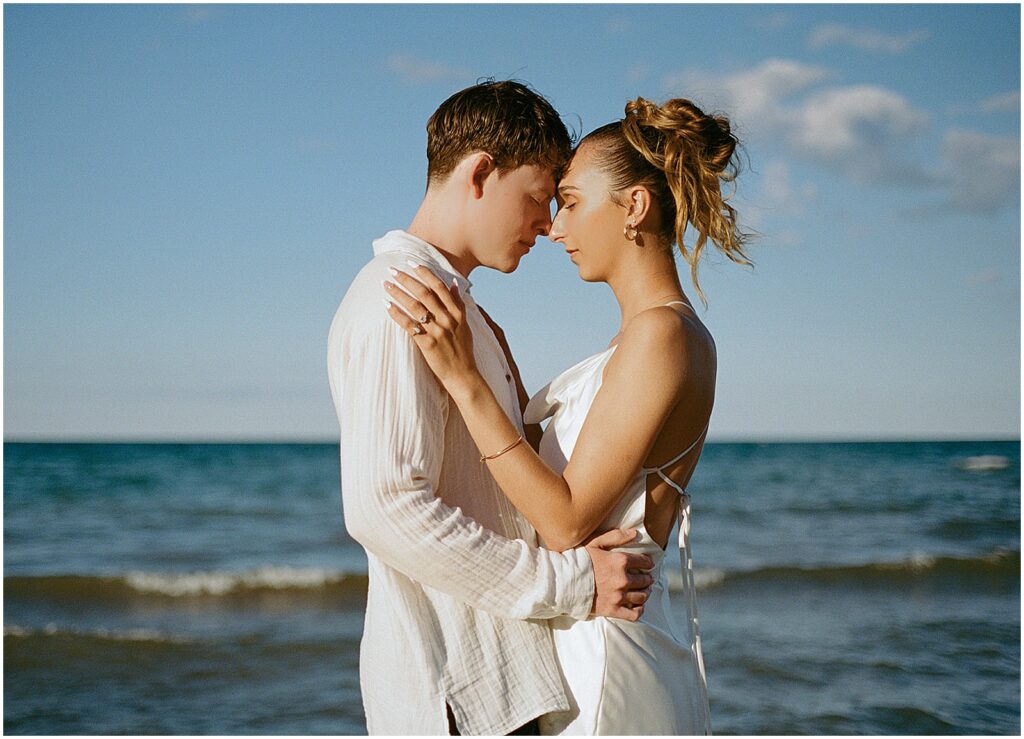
(479, 166)
(638, 204)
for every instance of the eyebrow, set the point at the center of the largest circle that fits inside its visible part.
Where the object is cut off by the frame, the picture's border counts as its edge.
(566, 188)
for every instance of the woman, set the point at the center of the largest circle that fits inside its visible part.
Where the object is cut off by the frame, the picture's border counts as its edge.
(627, 424)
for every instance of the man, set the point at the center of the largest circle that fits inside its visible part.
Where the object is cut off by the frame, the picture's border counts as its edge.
(454, 639)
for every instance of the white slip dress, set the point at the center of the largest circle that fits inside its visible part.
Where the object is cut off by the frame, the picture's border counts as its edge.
(625, 678)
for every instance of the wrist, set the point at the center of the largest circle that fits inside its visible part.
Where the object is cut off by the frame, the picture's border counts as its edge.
(584, 588)
(467, 388)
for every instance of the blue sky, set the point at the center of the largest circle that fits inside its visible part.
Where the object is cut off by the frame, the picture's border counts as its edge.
(188, 190)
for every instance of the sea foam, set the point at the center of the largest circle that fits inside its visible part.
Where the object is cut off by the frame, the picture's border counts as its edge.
(222, 582)
(984, 463)
(52, 629)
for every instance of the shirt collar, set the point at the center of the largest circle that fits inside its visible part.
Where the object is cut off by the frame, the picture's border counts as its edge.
(399, 240)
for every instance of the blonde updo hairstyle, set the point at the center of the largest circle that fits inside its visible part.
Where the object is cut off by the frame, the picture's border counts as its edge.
(681, 156)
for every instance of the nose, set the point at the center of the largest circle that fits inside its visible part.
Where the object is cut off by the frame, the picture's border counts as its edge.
(556, 232)
(544, 226)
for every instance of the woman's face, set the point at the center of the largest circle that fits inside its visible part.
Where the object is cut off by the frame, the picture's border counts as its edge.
(588, 222)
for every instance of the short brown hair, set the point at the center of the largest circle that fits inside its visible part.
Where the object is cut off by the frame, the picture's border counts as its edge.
(505, 119)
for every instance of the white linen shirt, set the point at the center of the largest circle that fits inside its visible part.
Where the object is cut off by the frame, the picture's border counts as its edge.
(457, 584)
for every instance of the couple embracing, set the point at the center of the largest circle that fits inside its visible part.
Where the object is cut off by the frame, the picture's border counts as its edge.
(517, 577)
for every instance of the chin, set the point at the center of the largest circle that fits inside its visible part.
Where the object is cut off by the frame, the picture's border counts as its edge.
(510, 265)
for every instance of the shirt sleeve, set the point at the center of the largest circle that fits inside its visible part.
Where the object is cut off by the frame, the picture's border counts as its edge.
(392, 413)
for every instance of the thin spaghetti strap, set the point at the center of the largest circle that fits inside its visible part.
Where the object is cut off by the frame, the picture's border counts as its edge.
(679, 456)
(672, 483)
(677, 302)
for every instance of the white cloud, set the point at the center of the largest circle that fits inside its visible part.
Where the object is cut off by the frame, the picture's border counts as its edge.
(755, 97)
(1008, 102)
(861, 131)
(866, 39)
(865, 133)
(982, 171)
(416, 71)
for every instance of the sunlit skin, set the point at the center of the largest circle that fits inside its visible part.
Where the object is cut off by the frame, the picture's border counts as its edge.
(658, 386)
(589, 223)
(479, 216)
(482, 216)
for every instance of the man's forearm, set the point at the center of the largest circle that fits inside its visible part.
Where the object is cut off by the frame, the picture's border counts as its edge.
(417, 534)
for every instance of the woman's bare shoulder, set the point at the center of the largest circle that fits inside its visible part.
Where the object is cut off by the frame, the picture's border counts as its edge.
(662, 335)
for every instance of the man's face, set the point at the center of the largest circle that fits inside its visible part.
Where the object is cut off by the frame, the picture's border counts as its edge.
(514, 210)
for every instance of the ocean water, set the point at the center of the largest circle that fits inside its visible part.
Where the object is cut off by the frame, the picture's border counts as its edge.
(865, 588)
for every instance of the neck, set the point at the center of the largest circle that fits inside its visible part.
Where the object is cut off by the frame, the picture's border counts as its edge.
(645, 281)
(435, 224)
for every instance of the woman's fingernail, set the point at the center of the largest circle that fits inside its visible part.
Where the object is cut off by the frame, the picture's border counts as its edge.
(393, 271)
(387, 285)
(411, 263)
(387, 304)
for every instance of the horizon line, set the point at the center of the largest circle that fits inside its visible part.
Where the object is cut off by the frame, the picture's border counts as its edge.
(320, 441)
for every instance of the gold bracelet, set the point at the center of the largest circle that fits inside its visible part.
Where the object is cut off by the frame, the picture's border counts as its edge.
(511, 446)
